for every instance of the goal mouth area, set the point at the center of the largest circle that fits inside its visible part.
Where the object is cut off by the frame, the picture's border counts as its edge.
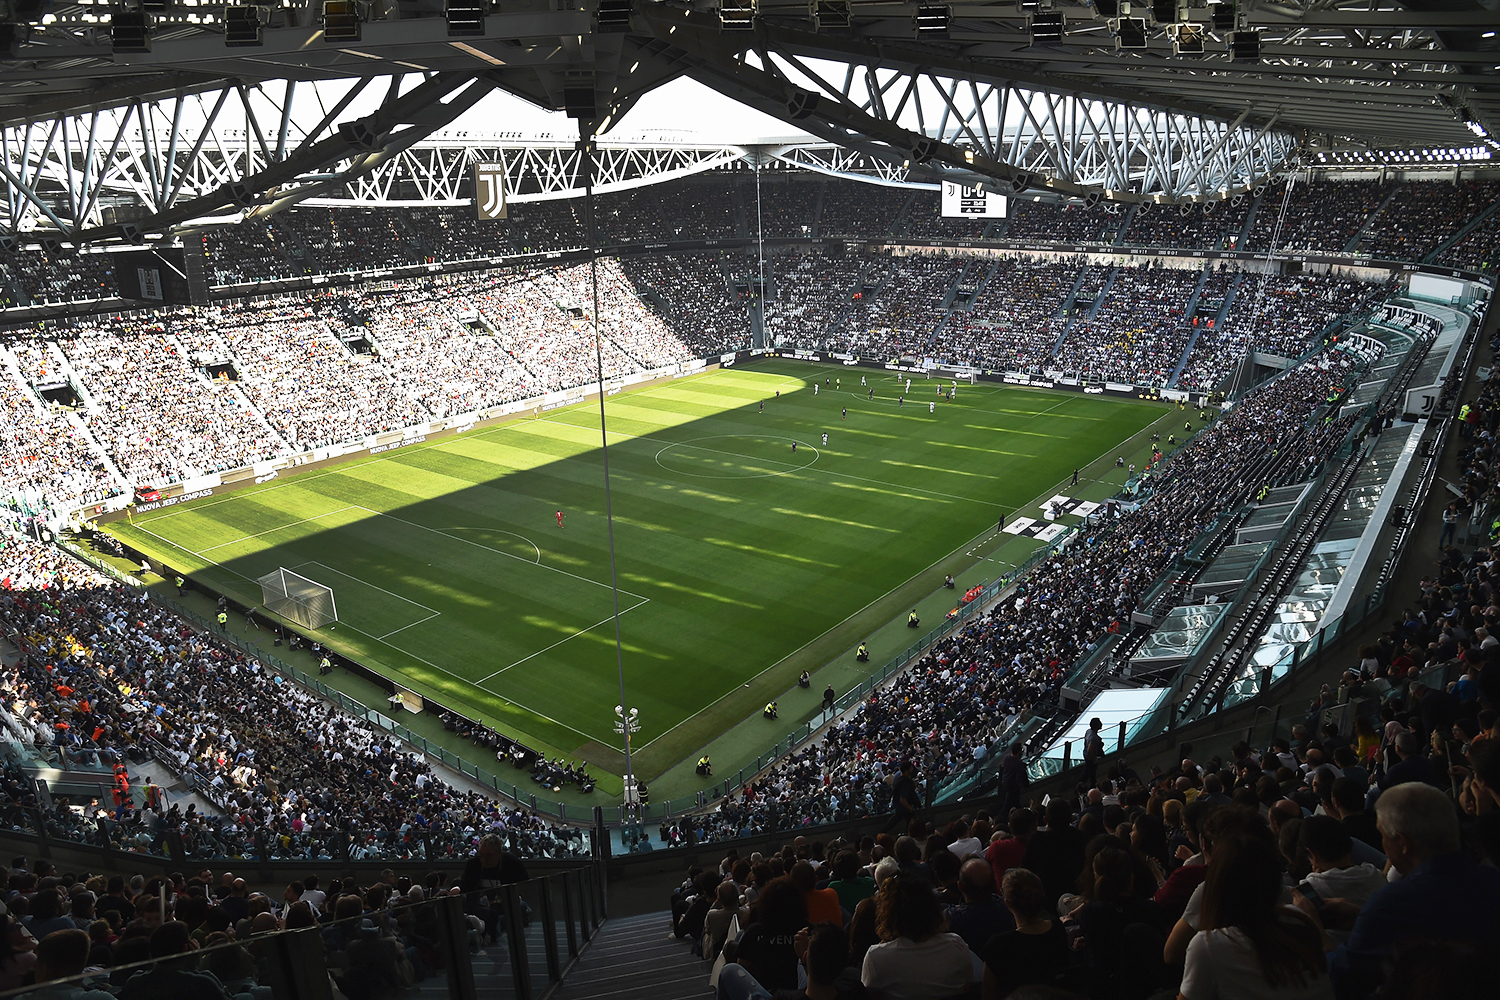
(298, 599)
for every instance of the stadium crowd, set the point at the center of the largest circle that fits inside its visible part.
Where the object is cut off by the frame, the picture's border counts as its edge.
(952, 706)
(1138, 334)
(1320, 217)
(104, 675)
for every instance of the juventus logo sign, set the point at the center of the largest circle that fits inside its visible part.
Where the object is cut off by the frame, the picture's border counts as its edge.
(489, 191)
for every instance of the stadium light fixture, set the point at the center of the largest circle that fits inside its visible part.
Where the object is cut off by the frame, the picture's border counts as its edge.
(1221, 15)
(932, 20)
(343, 20)
(737, 15)
(614, 15)
(1130, 32)
(830, 15)
(1107, 9)
(1187, 39)
(130, 31)
(31, 11)
(11, 38)
(1046, 26)
(243, 27)
(466, 17)
(1165, 11)
(1244, 46)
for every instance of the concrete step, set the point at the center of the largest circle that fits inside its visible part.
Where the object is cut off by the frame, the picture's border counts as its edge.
(635, 958)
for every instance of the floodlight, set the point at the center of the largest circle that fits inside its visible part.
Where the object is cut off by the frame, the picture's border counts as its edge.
(1187, 39)
(466, 17)
(243, 27)
(932, 20)
(1046, 26)
(130, 31)
(343, 21)
(1244, 46)
(829, 14)
(737, 15)
(614, 15)
(1130, 32)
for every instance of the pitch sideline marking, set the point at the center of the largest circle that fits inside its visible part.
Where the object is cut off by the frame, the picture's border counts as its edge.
(558, 643)
(357, 579)
(508, 555)
(270, 530)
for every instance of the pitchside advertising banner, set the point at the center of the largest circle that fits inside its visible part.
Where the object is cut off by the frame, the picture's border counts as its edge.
(964, 201)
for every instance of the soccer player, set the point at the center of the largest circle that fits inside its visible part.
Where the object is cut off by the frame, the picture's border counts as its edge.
(908, 387)
(900, 400)
(825, 439)
(794, 447)
(872, 391)
(861, 380)
(559, 518)
(1075, 477)
(846, 413)
(815, 388)
(762, 406)
(931, 405)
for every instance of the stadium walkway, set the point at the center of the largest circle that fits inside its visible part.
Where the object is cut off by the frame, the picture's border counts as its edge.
(635, 958)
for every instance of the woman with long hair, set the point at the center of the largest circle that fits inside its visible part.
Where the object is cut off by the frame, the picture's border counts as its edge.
(916, 959)
(1252, 946)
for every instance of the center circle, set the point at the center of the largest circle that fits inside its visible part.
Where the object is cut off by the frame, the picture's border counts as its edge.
(736, 456)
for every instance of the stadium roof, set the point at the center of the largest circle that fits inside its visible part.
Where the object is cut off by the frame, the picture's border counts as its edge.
(1172, 99)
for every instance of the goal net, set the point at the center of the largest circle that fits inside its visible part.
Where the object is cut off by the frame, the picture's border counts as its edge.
(298, 599)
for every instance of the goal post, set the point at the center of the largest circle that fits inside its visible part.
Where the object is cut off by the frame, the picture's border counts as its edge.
(298, 599)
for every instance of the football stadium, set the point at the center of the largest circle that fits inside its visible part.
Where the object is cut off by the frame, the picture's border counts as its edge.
(625, 500)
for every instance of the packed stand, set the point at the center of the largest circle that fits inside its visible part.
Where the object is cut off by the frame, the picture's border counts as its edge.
(160, 419)
(1322, 217)
(211, 936)
(1479, 248)
(541, 226)
(42, 454)
(925, 221)
(1342, 862)
(254, 250)
(1273, 314)
(53, 276)
(103, 670)
(1139, 334)
(1211, 226)
(860, 211)
(695, 299)
(953, 705)
(346, 239)
(1424, 215)
(812, 292)
(1051, 223)
(453, 234)
(1016, 318)
(899, 305)
(702, 208)
(788, 205)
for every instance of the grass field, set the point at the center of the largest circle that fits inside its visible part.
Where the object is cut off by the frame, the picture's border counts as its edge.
(734, 552)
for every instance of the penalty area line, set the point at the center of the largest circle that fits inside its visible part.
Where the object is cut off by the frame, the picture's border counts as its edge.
(644, 600)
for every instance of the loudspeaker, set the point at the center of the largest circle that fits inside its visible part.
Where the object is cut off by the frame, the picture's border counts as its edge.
(923, 150)
(1093, 200)
(240, 194)
(361, 135)
(1107, 8)
(801, 104)
(578, 101)
(130, 233)
(1020, 182)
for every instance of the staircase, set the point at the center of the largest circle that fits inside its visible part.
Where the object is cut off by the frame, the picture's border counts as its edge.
(1363, 231)
(636, 958)
(1472, 225)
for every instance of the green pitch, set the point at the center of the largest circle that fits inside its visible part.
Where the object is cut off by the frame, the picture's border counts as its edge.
(734, 551)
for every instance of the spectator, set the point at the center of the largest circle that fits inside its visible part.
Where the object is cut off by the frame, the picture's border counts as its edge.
(1035, 951)
(1334, 874)
(765, 951)
(1251, 944)
(1442, 894)
(63, 955)
(981, 915)
(173, 978)
(916, 959)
